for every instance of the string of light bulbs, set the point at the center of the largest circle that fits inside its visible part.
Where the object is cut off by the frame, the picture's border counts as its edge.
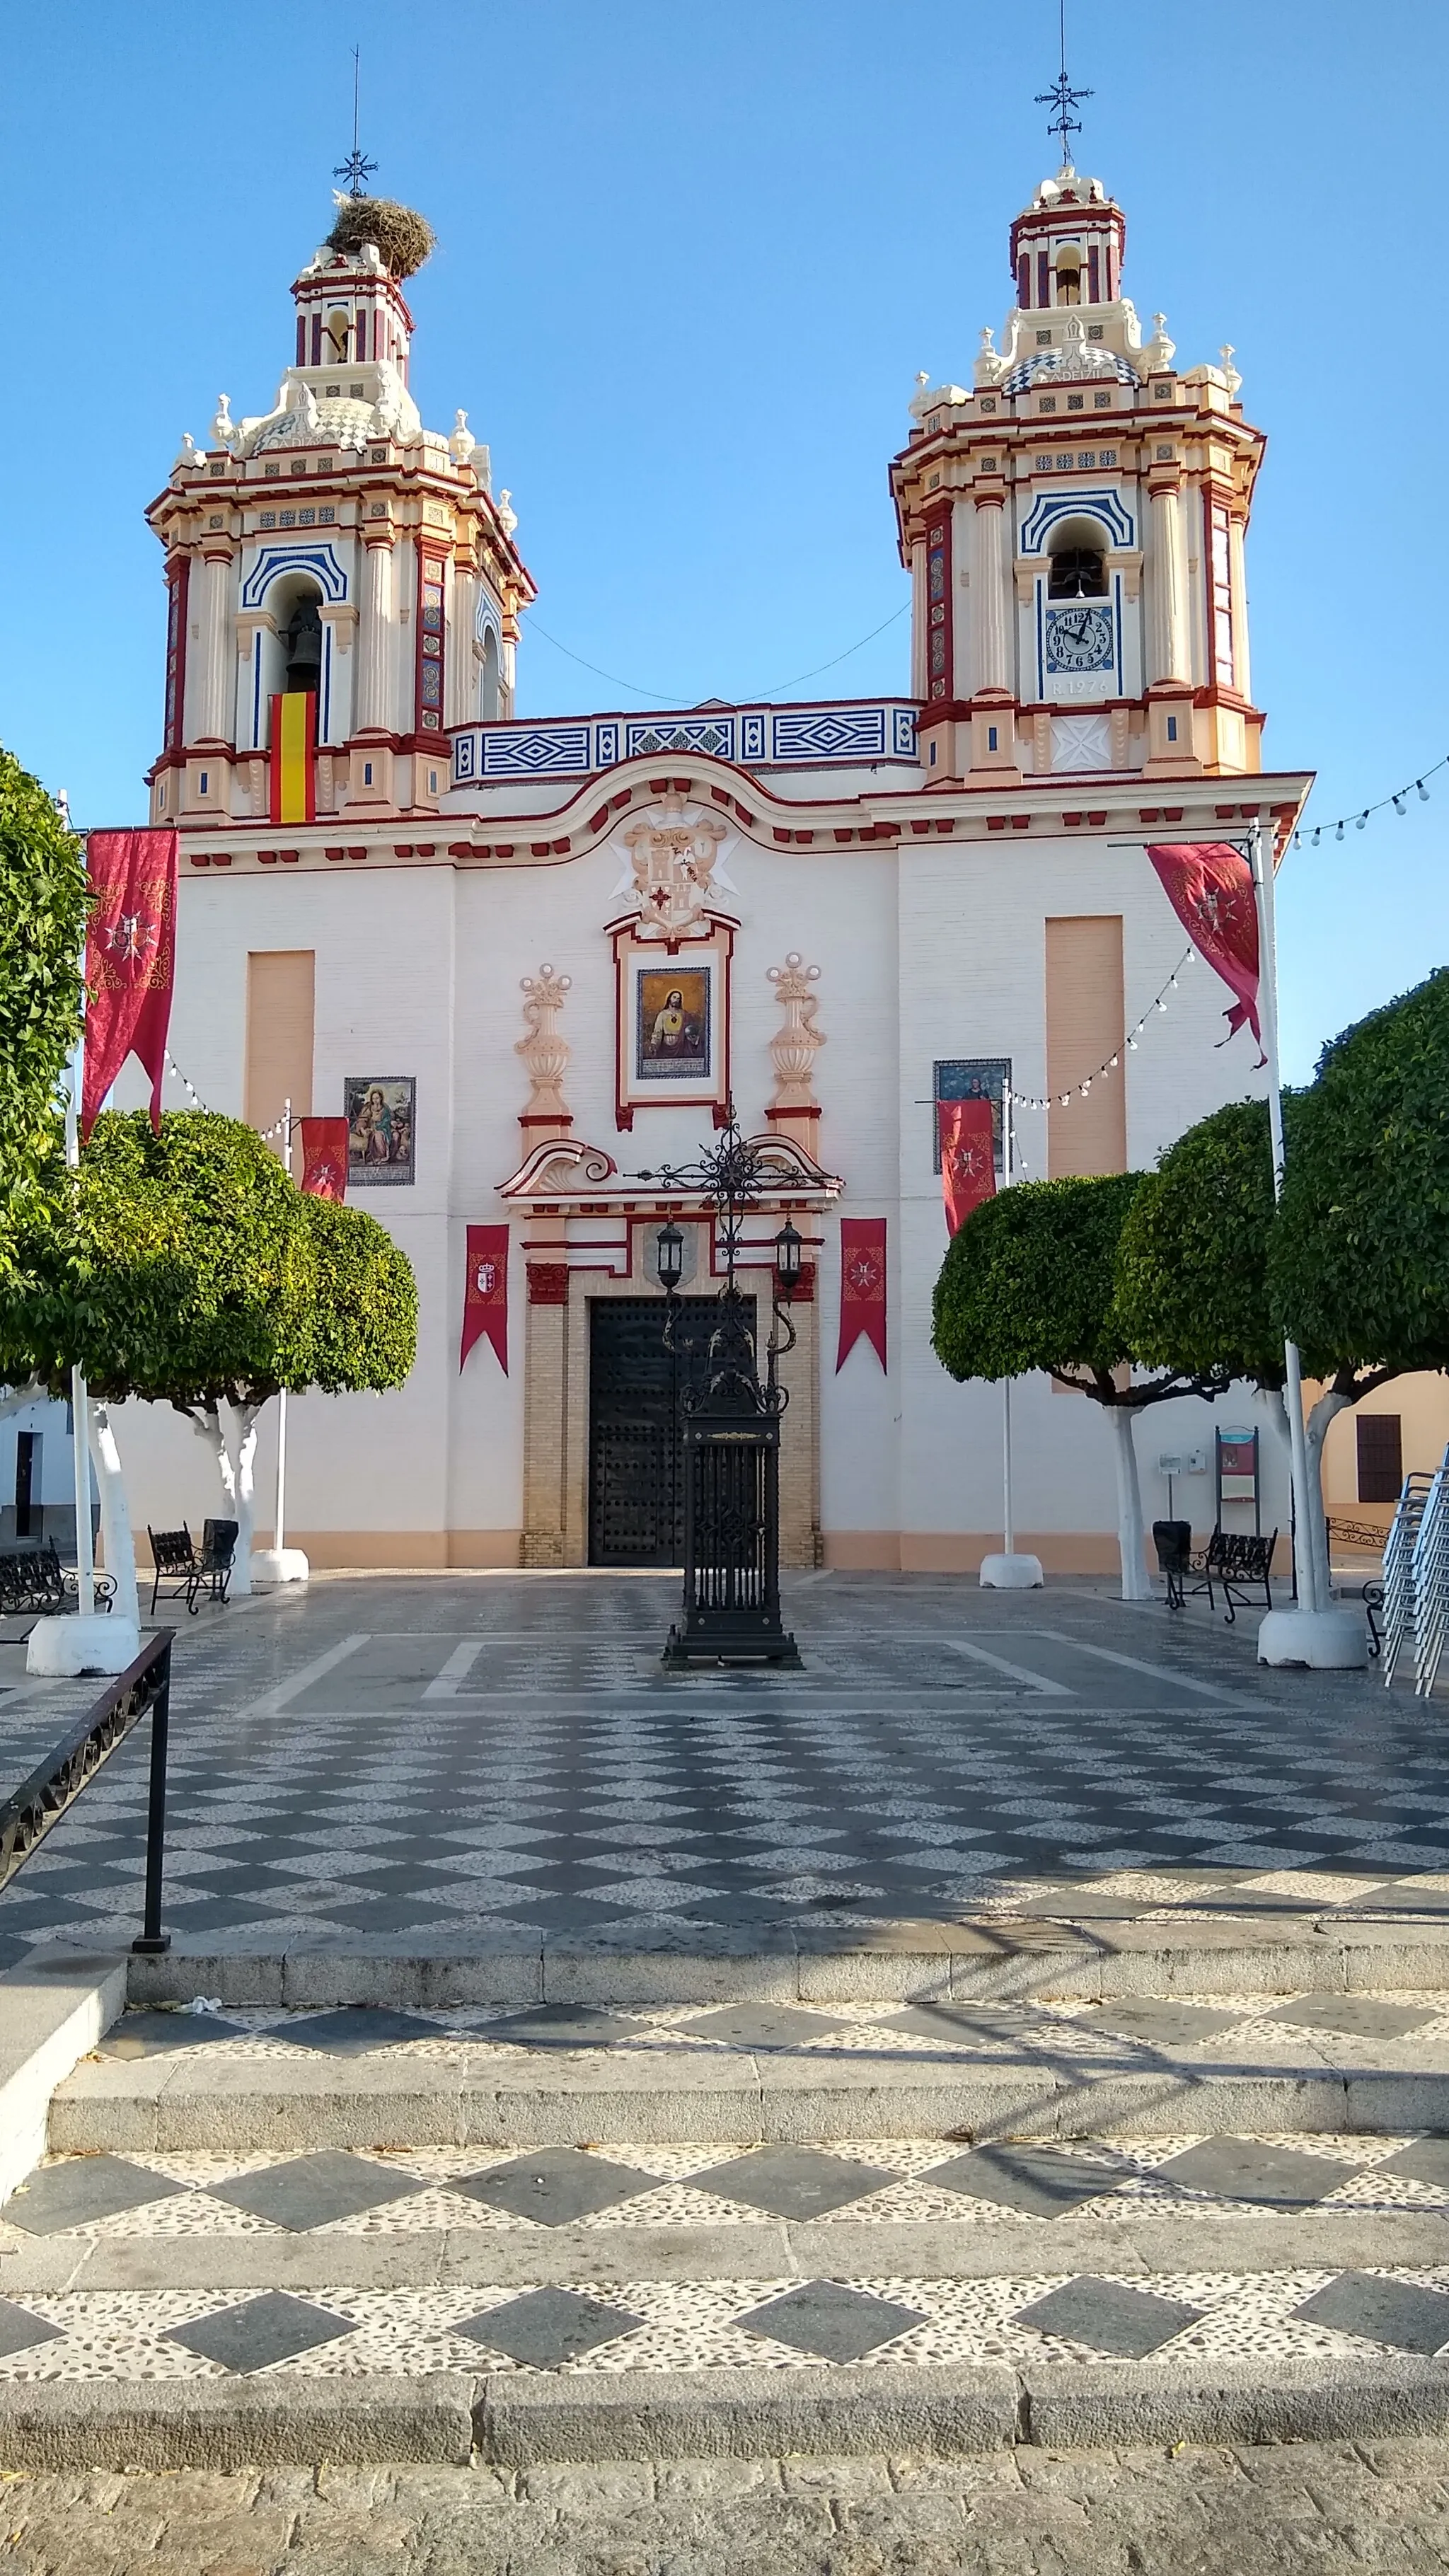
(1399, 801)
(194, 1096)
(1079, 1090)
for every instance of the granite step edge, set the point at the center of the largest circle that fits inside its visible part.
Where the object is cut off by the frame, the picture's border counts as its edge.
(518, 2420)
(987, 1958)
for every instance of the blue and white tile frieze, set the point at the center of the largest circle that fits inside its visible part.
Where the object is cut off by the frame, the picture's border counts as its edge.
(752, 738)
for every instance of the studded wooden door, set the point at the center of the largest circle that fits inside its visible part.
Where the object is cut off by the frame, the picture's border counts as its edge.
(636, 1391)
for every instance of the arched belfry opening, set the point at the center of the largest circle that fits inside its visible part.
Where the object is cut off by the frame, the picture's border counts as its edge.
(1077, 561)
(302, 641)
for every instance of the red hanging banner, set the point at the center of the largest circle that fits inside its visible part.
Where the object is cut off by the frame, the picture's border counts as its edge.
(485, 1295)
(1209, 885)
(968, 1157)
(324, 1157)
(130, 953)
(862, 1285)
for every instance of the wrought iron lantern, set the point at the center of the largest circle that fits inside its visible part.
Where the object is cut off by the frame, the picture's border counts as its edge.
(788, 1247)
(669, 1257)
(731, 1429)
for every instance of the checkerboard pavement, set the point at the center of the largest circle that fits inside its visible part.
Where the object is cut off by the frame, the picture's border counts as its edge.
(403, 1758)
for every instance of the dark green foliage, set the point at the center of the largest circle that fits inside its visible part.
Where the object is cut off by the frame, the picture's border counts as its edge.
(1192, 1265)
(1028, 1283)
(187, 1267)
(1359, 1261)
(365, 1307)
(43, 905)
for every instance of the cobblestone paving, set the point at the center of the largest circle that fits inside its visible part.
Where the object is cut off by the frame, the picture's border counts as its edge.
(1320, 2507)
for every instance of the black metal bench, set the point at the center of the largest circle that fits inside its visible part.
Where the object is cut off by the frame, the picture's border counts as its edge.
(1234, 1559)
(33, 1580)
(189, 1571)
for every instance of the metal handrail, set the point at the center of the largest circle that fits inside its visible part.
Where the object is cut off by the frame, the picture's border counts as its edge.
(54, 1785)
(1400, 1620)
(1431, 1583)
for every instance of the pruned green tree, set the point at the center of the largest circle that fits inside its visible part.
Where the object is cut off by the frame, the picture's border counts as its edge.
(1029, 1282)
(1192, 1263)
(189, 1270)
(43, 904)
(1358, 1262)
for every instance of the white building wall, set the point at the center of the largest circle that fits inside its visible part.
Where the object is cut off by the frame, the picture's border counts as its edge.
(926, 951)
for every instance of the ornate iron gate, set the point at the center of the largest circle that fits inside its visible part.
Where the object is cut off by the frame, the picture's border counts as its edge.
(637, 1387)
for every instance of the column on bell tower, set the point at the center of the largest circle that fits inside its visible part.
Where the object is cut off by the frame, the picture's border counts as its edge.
(1170, 680)
(213, 702)
(993, 720)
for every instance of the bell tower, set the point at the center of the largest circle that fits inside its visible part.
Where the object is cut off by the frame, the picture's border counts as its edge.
(343, 584)
(1074, 524)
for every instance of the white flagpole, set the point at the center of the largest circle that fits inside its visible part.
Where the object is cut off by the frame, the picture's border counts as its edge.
(80, 1403)
(279, 1531)
(1268, 1021)
(1008, 1524)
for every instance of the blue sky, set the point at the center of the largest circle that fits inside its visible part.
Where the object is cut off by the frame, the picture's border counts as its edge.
(690, 262)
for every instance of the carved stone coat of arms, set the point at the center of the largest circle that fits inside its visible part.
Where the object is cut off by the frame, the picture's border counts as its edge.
(674, 861)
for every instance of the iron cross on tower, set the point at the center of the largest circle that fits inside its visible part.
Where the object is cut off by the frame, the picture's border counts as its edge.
(356, 170)
(1061, 97)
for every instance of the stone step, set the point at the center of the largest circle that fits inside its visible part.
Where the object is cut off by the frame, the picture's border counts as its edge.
(169, 2309)
(754, 2074)
(1071, 1942)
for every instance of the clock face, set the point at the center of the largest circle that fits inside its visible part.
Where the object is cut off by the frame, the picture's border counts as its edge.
(1079, 638)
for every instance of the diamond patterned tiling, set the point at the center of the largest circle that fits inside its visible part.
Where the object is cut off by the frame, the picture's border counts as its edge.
(792, 2182)
(313, 2191)
(554, 2186)
(832, 2321)
(1402, 2314)
(1268, 2177)
(546, 2328)
(1124, 2324)
(1039, 2182)
(80, 2191)
(261, 2332)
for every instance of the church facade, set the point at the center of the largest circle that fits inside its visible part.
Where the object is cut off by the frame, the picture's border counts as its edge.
(534, 961)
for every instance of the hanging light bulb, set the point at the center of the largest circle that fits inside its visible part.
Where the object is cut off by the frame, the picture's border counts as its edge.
(1160, 1004)
(1317, 834)
(1398, 806)
(1114, 1061)
(1363, 818)
(1338, 834)
(1423, 790)
(1132, 1042)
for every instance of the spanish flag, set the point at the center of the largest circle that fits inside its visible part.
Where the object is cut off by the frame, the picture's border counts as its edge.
(294, 757)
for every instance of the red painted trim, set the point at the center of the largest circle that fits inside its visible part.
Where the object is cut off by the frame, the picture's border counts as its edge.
(629, 951)
(548, 1282)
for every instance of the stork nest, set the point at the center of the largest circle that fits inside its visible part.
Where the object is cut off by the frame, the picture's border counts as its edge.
(403, 237)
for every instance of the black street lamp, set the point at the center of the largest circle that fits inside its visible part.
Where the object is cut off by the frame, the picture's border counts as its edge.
(731, 1428)
(669, 1257)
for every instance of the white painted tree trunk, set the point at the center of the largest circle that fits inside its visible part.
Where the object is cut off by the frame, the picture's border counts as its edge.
(1274, 1403)
(1131, 1536)
(120, 1547)
(244, 1417)
(1328, 1406)
(210, 1428)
